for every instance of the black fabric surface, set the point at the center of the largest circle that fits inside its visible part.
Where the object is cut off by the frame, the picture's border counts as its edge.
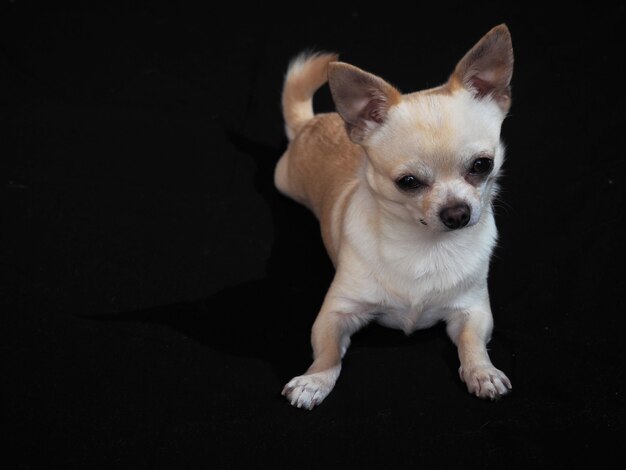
(157, 291)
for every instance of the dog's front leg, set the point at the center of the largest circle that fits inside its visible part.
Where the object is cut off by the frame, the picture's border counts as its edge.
(470, 331)
(336, 322)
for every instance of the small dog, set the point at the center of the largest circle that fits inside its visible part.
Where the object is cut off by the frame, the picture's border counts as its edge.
(402, 185)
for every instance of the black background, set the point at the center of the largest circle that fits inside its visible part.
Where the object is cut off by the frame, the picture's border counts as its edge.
(157, 291)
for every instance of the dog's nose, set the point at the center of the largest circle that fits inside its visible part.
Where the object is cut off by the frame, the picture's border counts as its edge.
(456, 216)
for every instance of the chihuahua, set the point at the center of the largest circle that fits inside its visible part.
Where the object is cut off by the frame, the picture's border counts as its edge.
(402, 185)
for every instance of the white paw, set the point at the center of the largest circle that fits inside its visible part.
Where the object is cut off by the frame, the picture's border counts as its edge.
(309, 390)
(485, 381)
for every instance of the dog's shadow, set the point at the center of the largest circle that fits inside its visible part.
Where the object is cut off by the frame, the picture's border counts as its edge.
(271, 318)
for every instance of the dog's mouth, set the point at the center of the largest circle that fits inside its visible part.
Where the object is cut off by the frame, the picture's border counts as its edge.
(437, 226)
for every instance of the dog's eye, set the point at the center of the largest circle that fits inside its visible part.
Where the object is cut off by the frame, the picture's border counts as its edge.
(481, 166)
(408, 183)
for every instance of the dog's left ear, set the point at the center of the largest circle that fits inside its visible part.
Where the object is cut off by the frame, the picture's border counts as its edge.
(487, 68)
(361, 98)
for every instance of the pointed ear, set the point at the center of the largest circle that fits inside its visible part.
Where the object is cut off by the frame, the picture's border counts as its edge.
(362, 99)
(487, 68)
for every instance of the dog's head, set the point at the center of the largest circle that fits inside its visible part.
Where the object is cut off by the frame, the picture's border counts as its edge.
(433, 155)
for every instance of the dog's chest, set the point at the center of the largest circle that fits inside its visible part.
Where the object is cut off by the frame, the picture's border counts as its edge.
(417, 289)
(410, 318)
(414, 305)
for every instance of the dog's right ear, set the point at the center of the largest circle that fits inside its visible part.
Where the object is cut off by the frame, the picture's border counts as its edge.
(361, 98)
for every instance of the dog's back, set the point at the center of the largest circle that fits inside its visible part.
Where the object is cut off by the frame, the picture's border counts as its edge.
(320, 162)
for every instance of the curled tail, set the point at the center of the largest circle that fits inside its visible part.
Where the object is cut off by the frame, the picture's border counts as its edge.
(306, 73)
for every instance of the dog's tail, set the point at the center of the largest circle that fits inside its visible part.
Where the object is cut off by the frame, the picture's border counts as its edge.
(306, 73)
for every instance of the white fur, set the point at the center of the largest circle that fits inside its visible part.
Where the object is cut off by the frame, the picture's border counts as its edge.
(410, 278)
(307, 391)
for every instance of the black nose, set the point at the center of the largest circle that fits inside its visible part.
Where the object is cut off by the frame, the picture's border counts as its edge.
(455, 216)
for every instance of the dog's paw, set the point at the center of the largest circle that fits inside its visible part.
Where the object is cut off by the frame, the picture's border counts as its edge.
(485, 381)
(309, 390)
